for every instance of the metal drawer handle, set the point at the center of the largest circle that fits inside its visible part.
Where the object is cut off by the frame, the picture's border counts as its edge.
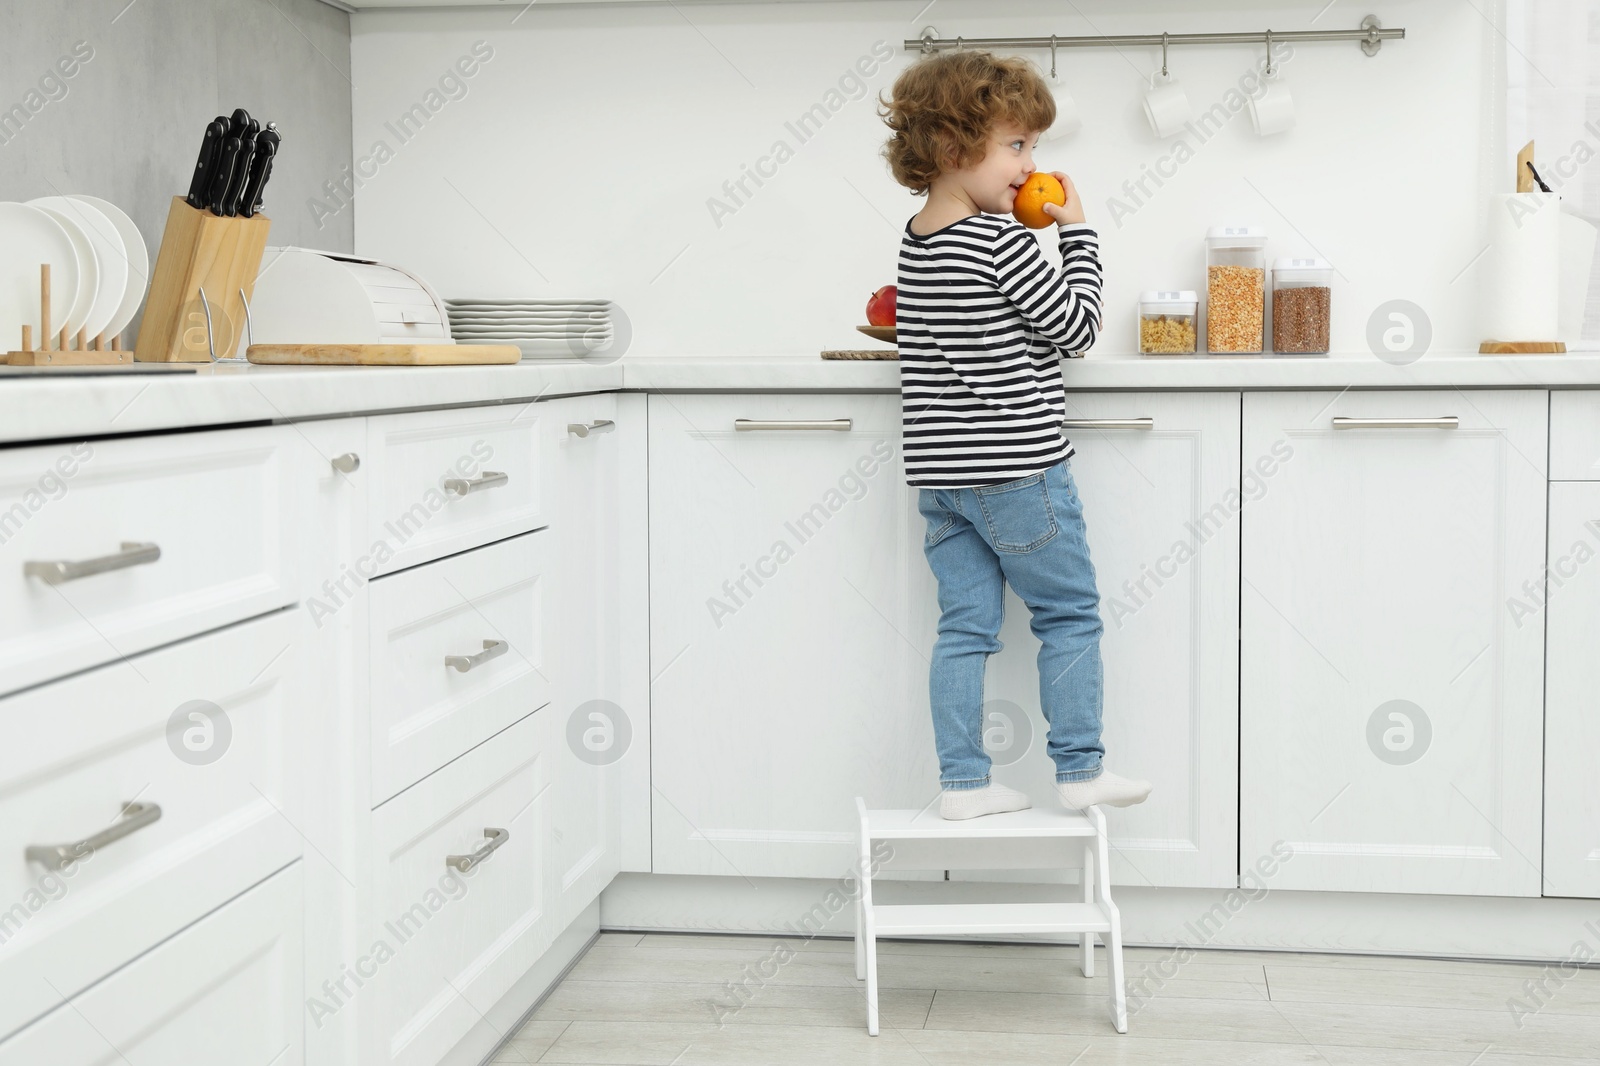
(1108, 423)
(492, 649)
(1445, 422)
(791, 423)
(489, 480)
(135, 816)
(582, 429)
(467, 862)
(55, 571)
(348, 463)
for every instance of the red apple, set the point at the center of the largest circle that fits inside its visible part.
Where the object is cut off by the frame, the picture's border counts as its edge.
(880, 308)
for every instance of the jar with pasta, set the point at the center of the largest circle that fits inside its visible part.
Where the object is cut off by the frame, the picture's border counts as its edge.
(1236, 289)
(1167, 321)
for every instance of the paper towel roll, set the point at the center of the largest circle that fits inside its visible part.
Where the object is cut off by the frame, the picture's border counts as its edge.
(1522, 287)
(1577, 262)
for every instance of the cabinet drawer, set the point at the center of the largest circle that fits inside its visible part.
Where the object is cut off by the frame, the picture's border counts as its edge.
(212, 505)
(1575, 435)
(458, 653)
(453, 939)
(225, 990)
(79, 749)
(446, 481)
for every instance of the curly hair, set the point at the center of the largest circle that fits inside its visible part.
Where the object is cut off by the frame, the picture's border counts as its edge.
(945, 107)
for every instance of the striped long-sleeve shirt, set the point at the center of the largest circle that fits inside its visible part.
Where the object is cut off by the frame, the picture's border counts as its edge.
(982, 320)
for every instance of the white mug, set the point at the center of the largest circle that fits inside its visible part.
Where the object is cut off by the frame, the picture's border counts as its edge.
(1272, 111)
(1166, 106)
(1068, 120)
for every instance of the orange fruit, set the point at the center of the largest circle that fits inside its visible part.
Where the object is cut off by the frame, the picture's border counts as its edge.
(1038, 190)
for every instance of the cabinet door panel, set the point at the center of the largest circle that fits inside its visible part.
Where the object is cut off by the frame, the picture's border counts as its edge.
(588, 671)
(1161, 506)
(782, 661)
(1572, 706)
(1391, 691)
(227, 989)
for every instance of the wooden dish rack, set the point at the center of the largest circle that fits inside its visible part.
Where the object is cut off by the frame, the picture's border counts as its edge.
(69, 351)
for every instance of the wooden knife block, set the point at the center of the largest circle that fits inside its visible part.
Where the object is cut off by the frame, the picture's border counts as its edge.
(200, 250)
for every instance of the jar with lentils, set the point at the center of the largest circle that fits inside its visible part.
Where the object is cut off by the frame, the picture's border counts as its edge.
(1301, 290)
(1236, 289)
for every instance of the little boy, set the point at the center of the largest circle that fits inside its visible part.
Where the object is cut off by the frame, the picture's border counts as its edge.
(982, 321)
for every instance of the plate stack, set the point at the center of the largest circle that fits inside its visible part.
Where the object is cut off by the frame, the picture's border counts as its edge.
(543, 329)
(99, 268)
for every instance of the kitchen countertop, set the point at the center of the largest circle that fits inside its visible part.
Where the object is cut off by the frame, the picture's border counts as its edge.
(38, 407)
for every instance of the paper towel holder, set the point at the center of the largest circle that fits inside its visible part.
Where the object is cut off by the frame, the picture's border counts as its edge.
(1526, 177)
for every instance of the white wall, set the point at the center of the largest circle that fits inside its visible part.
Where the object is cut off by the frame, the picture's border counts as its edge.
(581, 157)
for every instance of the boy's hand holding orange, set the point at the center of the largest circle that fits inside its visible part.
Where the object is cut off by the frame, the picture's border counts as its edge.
(1046, 198)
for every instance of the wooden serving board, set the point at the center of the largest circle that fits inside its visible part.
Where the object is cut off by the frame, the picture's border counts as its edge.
(1522, 348)
(383, 354)
(862, 353)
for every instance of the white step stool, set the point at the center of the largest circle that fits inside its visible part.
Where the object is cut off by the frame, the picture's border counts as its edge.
(922, 840)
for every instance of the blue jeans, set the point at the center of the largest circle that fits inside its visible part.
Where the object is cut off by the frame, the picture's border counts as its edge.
(1029, 532)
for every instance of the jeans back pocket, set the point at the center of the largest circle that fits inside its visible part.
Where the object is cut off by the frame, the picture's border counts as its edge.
(1018, 513)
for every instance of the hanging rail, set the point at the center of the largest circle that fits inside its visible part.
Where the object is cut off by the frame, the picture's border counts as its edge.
(1371, 36)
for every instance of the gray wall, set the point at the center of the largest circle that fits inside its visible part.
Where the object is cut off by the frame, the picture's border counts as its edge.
(127, 125)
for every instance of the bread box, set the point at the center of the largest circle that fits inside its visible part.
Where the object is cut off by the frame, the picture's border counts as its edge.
(306, 296)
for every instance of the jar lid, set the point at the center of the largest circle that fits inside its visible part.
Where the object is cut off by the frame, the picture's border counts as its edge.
(1236, 237)
(1301, 269)
(1153, 296)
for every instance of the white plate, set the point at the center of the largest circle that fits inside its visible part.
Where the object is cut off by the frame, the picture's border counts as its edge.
(88, 270)
(529, 316)
(555, 349)
(138, 255)
(531, 332)
(596, 338)
(530, 304)
(28, 237)
(504, 327)
(110, 255)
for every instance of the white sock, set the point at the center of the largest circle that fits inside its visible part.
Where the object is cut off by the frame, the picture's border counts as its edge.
(1108, 788)
(992, 798)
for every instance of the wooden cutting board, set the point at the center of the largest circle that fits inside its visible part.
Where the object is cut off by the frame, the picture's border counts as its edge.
(383, 354)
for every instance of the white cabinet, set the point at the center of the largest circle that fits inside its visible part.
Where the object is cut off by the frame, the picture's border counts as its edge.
(1390, 701)
(1572, 693)
(116, 546)
(782, 665)
(599, 707)
(1158, 474)
(445, 481)
(458, 651)
(225, 990)
(458, 908)
(196, 735)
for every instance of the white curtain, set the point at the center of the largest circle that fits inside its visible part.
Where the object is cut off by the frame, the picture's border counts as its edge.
(1552, 97)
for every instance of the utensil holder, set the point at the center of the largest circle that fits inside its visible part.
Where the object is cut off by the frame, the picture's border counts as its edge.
(201, 253)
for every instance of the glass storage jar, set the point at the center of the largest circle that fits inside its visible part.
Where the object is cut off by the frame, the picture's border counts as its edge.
(1236, 288)
(1167, 321)
(1301, 305)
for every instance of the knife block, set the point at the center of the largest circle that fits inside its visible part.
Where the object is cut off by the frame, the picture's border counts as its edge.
(200, 250)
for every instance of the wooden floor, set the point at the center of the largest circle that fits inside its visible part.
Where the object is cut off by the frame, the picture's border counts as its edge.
(652, 998)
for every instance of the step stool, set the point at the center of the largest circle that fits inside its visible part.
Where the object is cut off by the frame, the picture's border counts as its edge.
(1015, 840)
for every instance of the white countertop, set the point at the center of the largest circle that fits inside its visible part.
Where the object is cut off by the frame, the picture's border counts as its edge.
(1460, 369)
(42, 407)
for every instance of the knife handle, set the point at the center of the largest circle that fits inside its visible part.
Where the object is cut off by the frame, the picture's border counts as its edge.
(260, 170)
(224, 175)
(205, 165)
(241, 169)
